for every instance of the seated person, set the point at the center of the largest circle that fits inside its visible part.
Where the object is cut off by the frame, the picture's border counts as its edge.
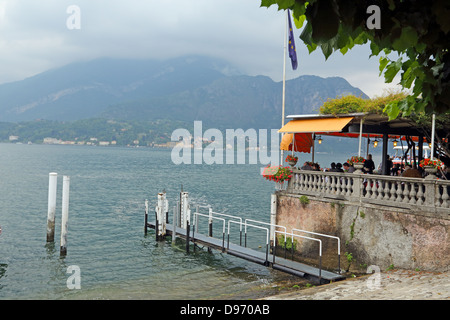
(411, 172)
(348, 168)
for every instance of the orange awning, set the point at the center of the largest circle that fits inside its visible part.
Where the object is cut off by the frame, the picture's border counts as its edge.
(316, 125)
(303, 142)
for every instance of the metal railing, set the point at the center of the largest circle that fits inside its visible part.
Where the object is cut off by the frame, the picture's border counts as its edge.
(328, 236)
(309, 238)
(196, 214)
(234, 217)
(245, 223)
(266, 263)
(266, 223)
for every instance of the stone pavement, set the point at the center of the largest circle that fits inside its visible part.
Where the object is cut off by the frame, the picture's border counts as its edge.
(386, 285)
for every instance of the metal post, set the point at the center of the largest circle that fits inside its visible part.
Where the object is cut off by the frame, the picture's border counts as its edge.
(339, 263)
(274, 250)
(52, 182)
(360, 136)
(320, 268)
(65, 215)
(156, 226)
(187, 236)
(174, 232)
(210, 223)
(433, 130)
(166, 206)
(146, 216)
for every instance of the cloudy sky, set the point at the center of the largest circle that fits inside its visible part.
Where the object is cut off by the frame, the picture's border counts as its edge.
(34, 37)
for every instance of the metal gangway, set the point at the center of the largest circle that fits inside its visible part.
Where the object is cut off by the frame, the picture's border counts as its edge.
(185, 225)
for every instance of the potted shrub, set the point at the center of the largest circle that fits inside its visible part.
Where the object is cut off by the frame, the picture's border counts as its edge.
(357, 162)
(279, 174)
(430, 166)
(292, 160)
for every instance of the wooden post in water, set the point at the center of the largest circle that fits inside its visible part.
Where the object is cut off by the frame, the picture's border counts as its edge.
(161, 217)
(52, 183)
(65, 215)
(184, 209)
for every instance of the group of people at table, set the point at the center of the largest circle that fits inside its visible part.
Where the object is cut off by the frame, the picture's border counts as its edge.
(395, 169)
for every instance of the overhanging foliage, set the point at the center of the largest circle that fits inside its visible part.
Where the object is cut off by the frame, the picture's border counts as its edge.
(418, 31)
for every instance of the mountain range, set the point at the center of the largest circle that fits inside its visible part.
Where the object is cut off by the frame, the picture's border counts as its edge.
(184, 89)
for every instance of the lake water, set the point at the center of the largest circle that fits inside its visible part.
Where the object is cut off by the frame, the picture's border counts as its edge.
(106, 238)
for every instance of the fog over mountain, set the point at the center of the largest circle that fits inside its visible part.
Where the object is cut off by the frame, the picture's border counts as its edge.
(188, 88)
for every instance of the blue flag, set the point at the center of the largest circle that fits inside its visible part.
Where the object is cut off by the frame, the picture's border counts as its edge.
(292, 52)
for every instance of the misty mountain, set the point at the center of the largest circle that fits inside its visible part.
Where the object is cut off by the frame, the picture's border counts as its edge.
(187, 89)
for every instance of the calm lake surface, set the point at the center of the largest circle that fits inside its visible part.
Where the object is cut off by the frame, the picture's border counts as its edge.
(106, 238)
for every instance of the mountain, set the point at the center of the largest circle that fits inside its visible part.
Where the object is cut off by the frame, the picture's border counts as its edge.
(187, 88)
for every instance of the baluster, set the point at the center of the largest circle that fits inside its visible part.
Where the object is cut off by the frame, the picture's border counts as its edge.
(310, 177)
(413, 193)
(445, 196)
(380, 189)
(399, 191)
(348, 186)
(327, 184)
(338, 185)
(437, 196)
(420, 194)
(332, 185)
(393, 191)
(301, 182)
(373, 188)
(406, 192)
(296, 178)
(387, 194)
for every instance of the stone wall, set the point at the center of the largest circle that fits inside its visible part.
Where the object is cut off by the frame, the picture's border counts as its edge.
(374, 234)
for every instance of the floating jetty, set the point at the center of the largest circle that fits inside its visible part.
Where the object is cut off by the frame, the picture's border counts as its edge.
(185, 226)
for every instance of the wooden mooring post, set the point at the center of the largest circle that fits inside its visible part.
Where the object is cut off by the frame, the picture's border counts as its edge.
(161, 212)
(146, 216)
(52, 183)
(65, 215)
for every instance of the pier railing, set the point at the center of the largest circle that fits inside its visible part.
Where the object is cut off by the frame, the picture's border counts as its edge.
(429, 194)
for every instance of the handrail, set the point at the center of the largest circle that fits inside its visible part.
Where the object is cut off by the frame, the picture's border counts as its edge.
(223, 232)
(258, 227)
(309, 238)
(270, 224)
(240, 223)
(328, 236)
(266, 223)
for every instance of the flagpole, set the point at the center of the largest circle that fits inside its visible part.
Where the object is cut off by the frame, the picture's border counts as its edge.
(284, 83)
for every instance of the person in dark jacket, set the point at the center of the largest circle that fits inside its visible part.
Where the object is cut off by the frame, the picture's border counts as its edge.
(369, 165)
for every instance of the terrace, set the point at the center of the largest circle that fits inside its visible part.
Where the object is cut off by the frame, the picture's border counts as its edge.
(429, 195)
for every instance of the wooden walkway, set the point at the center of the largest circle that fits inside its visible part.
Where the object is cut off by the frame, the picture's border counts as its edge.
(263, 258)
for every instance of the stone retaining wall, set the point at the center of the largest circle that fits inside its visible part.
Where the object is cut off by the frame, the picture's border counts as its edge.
(374, 234)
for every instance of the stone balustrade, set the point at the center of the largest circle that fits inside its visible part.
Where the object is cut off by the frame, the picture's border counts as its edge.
(427, 195)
